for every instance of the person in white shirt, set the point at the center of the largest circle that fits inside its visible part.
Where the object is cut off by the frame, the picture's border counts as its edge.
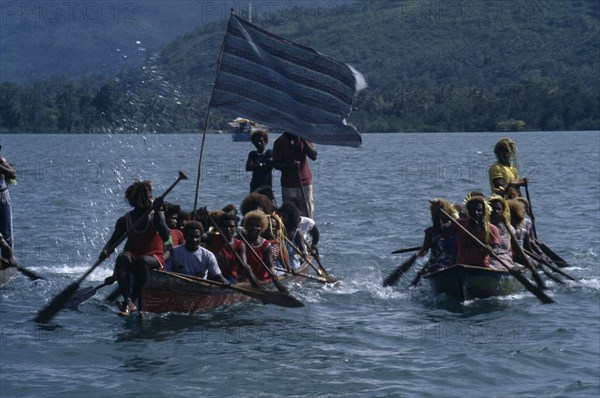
(309, 231)
(193, 259)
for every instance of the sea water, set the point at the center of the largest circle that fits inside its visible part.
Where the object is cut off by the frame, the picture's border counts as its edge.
(351, 339)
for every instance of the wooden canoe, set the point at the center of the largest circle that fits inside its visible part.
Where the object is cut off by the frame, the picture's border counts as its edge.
(6, 274)
(167, 293)
(466, 282)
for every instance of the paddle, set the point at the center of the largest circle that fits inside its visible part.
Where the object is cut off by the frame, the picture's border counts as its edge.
(315, 254)
(308, 212)
(547, 251)
(251, 277)
(400, 270)
(549, 265)
(328, 278)
(421, 272)
(55, 305)
(514, 243)
(417, 277)
(553, 256)
(28, 273)
(273, 277)
(266, 296)
(308, 276)
(10, 261)
(550, 275)
(409, 249)
(82, 295)
(524, 281)
(405, 266)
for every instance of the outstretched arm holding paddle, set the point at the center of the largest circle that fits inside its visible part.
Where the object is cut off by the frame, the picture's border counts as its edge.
(49, 311)
(443, 256)
(7, 260)
(144, 246)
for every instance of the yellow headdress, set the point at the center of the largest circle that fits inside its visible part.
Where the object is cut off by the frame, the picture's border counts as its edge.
(487, 210)
(511, 146)
(257, 215)
(446, 206)
(506, 211)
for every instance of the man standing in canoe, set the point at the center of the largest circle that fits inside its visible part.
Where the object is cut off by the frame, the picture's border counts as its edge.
(504, 174)
(290, 156)
(144, 246)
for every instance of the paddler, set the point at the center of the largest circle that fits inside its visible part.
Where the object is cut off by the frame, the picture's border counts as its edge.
(143, 249)
(477, 222)
(191, 258)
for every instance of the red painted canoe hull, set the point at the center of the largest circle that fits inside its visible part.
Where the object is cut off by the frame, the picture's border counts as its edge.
(165, 293)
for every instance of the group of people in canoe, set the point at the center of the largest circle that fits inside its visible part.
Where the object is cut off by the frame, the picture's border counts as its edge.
(500, 221)
(209, 244)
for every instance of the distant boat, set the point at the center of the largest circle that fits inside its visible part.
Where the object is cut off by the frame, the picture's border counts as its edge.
(242, 129)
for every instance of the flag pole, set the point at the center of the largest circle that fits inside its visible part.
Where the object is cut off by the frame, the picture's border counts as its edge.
(206, 121)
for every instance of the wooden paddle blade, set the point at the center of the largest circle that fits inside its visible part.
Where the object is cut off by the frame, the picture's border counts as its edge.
(410, 249)
(538, 280)
(550, 276)
(80, 296)
(401, 270)
(529, 286)
(30, 274)
(269, 297)
(552, 267)
(182, 175)
(283, 300)
(417, 278)
(282, 289)
(553, 256)
(49, 311)
(321, 279)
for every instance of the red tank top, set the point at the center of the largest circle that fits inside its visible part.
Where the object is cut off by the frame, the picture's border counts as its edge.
(144, 241)
(256, 263)
(227, 260)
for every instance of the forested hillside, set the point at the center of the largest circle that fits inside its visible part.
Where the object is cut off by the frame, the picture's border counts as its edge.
(431, 66)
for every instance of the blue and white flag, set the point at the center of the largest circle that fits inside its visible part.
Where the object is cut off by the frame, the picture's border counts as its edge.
(286, 86)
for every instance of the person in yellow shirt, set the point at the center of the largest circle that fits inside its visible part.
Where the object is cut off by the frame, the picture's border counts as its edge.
(504, 174)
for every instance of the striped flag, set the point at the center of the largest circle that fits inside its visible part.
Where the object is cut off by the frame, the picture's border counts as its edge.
(286, 86)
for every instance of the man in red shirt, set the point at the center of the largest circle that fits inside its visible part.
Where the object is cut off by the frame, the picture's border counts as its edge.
(290, 156)
(477, 223)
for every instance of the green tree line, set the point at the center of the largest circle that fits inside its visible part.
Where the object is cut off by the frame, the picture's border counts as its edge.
(431, 66)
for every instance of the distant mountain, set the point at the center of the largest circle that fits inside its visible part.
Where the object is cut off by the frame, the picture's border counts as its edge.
(41, 40)
(431, 65)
